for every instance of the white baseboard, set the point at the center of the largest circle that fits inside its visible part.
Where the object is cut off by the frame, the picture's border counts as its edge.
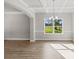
(16, 39)
(32, 40)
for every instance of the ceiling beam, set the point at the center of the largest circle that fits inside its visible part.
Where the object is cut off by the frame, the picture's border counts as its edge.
(19, 5)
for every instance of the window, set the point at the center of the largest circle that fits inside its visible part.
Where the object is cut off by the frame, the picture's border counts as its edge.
(48, 24)
(57, 26)
(52, 25)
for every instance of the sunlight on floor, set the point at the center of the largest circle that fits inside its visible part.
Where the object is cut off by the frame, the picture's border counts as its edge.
(66, 50)
(57, 46)
(70, 46)
(66, 53)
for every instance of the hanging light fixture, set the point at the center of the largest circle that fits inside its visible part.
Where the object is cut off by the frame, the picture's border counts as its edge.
(53, 9)
(54, 16)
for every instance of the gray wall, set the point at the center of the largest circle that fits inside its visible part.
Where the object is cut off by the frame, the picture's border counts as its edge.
(67, 27)
(16, 26)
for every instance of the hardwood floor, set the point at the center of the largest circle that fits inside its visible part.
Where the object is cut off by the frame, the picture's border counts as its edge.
(25, 50)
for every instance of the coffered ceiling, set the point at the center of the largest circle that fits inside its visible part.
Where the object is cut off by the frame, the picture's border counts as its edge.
(44, 5)
(47, 5)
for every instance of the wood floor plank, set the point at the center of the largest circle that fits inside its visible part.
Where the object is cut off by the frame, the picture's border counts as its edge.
(26, 50)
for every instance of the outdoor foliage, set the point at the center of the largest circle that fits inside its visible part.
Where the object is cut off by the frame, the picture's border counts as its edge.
(58, 22)
(58, 29)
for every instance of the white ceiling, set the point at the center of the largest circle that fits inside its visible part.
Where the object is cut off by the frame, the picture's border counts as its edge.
(46, 5)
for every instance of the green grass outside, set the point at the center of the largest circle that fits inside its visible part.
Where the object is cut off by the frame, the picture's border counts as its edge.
(58, 29)
(48, 29)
